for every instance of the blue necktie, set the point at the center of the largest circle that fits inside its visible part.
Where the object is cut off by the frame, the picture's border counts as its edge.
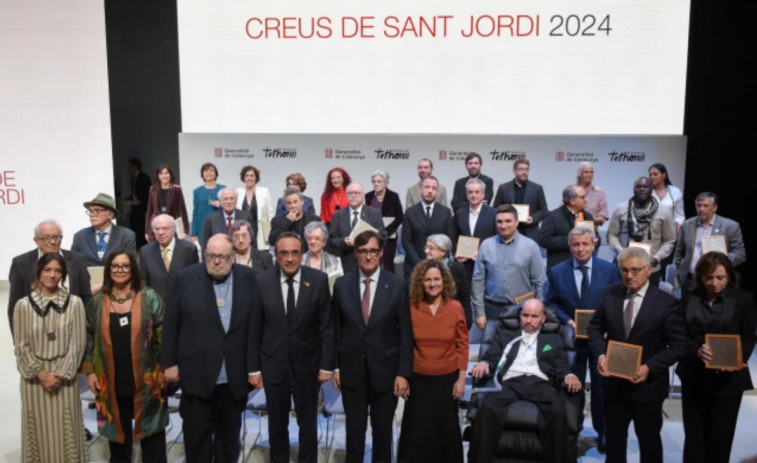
(101, 244)
(290, 300)
(584, 286)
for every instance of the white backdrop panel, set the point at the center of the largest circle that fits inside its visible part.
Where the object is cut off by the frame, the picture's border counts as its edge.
(55, 146)
(617, 160)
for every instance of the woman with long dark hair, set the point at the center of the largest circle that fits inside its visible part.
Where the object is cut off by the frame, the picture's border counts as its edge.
(166, 198)
(668, 196)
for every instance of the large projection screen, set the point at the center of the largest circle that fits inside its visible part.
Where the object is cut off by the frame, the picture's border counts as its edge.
(582, 67)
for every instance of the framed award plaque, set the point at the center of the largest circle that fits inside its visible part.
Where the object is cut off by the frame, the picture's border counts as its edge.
(622, 360)
(581, 319)
(726, 351)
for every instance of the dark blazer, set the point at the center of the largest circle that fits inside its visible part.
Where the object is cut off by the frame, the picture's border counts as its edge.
(658, 328)
(417, 228)
(193, 335)
(684, 251)
(534, 197)
(175, 207)
(85, 243)
(21, 277)
(381, 350)
(215, 223)
(153, 271)
(562, 293)
(305, 346)
(460, 195)
(281, 224)
(281, 207)
(739, 316)
(261, 260)
(553, 235)
(390, 207)
(462, 286)
(341, 227)
(552, 361)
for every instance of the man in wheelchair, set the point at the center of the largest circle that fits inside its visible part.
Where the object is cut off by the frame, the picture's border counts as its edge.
(530, 366)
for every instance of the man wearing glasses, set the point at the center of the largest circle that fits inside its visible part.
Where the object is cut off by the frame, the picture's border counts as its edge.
(205, 333)
(99, 240)
(345, 222)
(47, 237)
(374, 345)
(636, 312)
(162, 258)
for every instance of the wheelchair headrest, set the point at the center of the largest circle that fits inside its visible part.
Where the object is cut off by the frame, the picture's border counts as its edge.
(510, 319)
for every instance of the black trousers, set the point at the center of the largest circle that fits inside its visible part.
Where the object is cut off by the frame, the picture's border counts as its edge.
(584, 360)
(490, 418)
(211, 426)
(709, 418)
(278, 400)
(153, 447)
(359, 402)
(620, 410)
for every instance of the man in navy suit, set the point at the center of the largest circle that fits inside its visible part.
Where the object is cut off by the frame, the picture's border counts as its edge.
(291, 346)
(475, 218)
(531, 366)
(521, 190)
(223, 220)
(473, 165)
(374, 344)
(345, 220)
(205, 334)
(568, 291)
(162, 258)
(103, 237)
(636, 312)
(423, 220)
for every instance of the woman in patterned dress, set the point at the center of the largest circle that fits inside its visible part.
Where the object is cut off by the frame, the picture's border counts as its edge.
(49, 334)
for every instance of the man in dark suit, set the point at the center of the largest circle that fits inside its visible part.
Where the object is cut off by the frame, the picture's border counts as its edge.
(531, 366)
(103, 237)
(205, 334)
(374, 341)
(222, 221)
(292, 324)
(576, 284)
(706, 223)
(521, 190)
(138, 199)
(295, 219)
(475, 218)
(473, 165)
(344, 221)
(553, 235)
(47, 237)
(162, 258)
(636, 312)
(423, 220)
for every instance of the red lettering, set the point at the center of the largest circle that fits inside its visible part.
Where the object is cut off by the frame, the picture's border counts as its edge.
(292, 27)
(8, 178)
(248, 27)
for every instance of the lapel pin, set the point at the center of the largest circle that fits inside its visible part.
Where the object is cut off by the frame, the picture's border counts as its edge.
(307, 283)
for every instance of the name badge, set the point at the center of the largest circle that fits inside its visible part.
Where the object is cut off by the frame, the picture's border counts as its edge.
(221, 302)
(123, 321)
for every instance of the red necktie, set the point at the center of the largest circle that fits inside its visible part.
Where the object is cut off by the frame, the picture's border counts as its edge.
(228, 225)
(367, 300)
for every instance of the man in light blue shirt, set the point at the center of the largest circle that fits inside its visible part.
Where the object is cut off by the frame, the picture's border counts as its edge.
(508, 265)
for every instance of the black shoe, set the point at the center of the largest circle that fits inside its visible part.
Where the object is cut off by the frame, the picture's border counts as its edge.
(602, 442)
(87, 434)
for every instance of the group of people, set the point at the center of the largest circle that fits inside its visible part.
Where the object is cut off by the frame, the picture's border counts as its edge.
(285, 300)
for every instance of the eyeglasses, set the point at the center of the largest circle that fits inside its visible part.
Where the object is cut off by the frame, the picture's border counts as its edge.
(285, 254)
(241, 236)
(123, 268)
(47, 238)
(633, 270)
(220, 257)
(364, 252)
(354, 193)
(162, 229)
(312, 239)
(96, 211)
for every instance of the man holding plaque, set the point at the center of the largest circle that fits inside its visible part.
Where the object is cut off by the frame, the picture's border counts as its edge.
(577, 284)
(705, 229)
(553, 234)
(636, 313)
(642, 220)
(476, 219)
(523, 192)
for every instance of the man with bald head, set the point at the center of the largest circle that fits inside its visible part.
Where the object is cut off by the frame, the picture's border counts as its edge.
(205, 333)
(222, 221)
(47, 236)
(162, 258)
(344, 222)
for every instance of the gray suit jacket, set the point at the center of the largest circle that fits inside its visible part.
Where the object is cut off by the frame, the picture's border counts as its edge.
(661, 236)
(215, 223)
(85, 243)
(21, 277)
(533, 196)
(720, 226)
(341, 227)
(154, 273)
